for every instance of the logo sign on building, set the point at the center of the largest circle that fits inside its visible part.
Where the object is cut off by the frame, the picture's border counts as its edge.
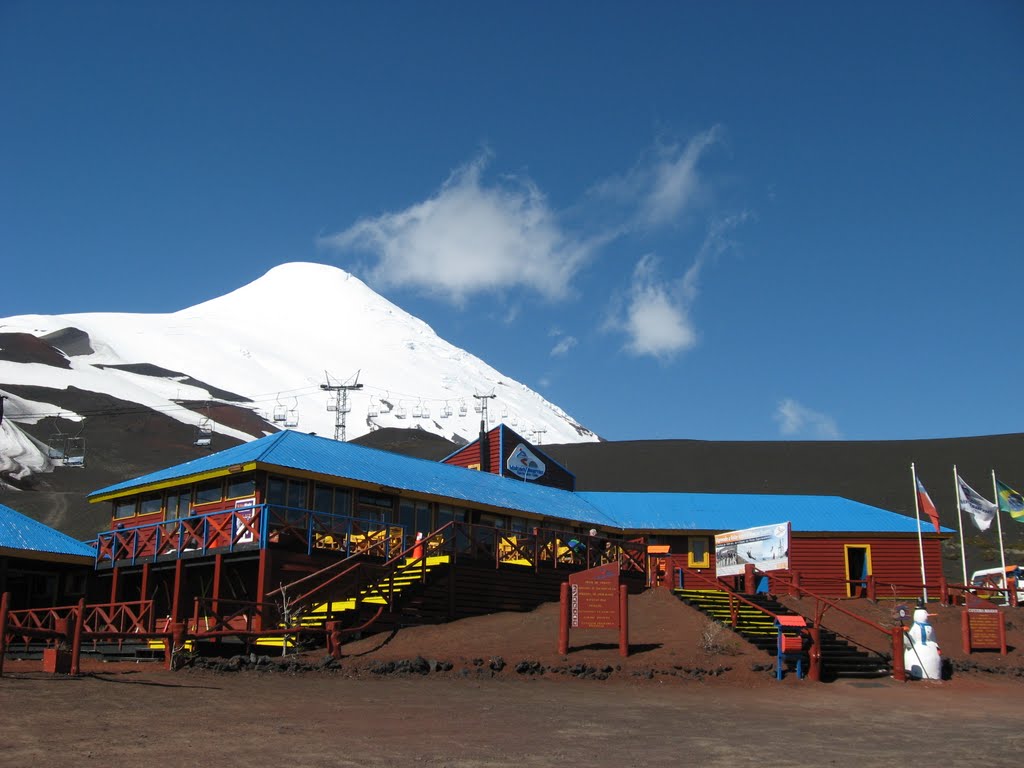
(524, 463)
(766, 547)
(594, 598)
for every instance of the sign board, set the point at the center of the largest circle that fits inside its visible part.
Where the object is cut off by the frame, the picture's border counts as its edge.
(766, 547)
(986, 628)
(594, 598)
(524, 463)
(246, 536)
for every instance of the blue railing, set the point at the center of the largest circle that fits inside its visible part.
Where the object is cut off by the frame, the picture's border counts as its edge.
(251, 527)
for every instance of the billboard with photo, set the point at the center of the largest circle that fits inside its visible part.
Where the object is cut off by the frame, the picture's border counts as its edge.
(766, 546)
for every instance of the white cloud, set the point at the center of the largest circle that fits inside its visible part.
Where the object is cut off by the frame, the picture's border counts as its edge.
(656, 316)
(796, 420)
(656, 322)
(563, 345)
(469, 238)
(663, 187)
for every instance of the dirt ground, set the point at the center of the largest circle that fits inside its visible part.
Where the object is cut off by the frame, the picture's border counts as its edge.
(492, 691)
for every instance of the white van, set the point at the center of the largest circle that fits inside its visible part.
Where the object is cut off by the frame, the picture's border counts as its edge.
(995, 578)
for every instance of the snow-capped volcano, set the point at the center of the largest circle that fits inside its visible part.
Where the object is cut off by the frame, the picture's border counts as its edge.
(265, 348)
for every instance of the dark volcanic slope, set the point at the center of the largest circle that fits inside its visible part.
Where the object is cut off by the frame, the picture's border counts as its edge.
(408, 442)
(125, 442)
(876, 473)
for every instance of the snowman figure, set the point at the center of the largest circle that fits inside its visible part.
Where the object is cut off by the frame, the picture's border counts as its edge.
(921, 655)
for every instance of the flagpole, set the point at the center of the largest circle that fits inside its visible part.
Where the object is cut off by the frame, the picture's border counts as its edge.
(960, 519)
(999, 527)
(920, 538)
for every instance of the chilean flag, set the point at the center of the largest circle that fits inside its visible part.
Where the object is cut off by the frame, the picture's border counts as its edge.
(924, 503)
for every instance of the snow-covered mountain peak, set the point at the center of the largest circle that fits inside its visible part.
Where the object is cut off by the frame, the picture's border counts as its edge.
(268, 347)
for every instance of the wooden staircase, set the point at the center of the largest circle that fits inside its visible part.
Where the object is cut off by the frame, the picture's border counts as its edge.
(839, 658)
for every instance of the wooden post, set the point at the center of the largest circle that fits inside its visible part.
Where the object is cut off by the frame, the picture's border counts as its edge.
(144, 586)
(794, 584)
(623, 621)
(179, 635)
(218, 567)
(334, 639)
(176, 594)
(262, 580)
(872, 593)
(115, 585)
(943, 590)
(5, 605)
(748, 579)
(76, 640)
(1002, 634)
(899, 672)
(563, 619)
(965, 632)
(814, 670)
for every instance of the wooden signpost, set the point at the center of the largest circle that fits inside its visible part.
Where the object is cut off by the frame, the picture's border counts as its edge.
(983, 627)
(594, 599)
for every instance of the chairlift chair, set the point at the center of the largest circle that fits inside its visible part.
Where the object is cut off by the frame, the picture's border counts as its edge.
(462, 408)
(417, 412)
(446, 411)
(425, 413)
(400, 412)
(291, 418)
(74, 452)
(204, 434)
(372, 410)
(280, 412)
(56, 444)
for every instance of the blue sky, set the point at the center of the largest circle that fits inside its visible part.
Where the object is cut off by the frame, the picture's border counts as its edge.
(722, 221)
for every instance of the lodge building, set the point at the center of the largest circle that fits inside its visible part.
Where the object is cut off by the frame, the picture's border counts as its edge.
(268, 520)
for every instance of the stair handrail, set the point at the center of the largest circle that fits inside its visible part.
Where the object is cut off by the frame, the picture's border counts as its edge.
(718, 585)
(895, 634)
(822, 600)
(383, 570)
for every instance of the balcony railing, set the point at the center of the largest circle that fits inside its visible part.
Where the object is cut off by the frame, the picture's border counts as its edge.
(245, 528)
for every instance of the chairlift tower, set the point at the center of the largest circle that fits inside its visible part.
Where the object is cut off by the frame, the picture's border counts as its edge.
(484, 422)
(340, 405)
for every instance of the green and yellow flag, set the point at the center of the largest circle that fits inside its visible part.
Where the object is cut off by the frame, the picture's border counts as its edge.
(1010, 501)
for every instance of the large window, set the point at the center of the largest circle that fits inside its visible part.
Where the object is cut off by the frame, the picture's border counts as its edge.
(698, 552)
(209, 491)
(415, 516)
(446, 513)
(177, 503)
(124, 508)
(334, 501)
(374, 506)
(241, 486)
(287, 492)
(151, 503)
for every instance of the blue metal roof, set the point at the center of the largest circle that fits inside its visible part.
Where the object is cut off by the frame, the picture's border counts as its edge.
(735, 511)
(295, 450)
(18, 531)
(627, 510)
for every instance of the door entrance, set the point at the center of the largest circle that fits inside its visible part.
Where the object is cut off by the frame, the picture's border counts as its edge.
(858, 568)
